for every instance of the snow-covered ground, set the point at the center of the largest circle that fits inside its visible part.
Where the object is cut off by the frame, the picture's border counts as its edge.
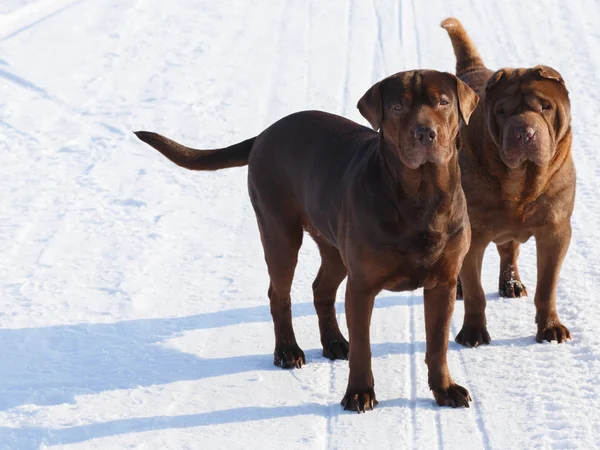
(133, 309)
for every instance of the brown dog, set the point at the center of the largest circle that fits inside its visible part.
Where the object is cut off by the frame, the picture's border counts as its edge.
(387, 209)
(519, 180)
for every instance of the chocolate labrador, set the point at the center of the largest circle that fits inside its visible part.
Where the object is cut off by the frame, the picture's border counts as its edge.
(385, 208)
(519, 179)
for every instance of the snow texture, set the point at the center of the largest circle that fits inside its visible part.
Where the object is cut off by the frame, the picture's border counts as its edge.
(133, 308)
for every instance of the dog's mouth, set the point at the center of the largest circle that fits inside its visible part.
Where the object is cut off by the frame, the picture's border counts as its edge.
(414, 158)
(419, 154)
(513, 157)
(525, 143)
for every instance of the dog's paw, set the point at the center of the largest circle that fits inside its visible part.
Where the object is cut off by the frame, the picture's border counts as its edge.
(359, 400)
(473, 336)
(289, 358)
(336, 349)
(512, 288)
(455, 396)
(554, 332)
(509, 284)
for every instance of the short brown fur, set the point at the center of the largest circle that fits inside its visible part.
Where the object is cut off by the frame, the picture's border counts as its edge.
(519, 179)
(386, 209)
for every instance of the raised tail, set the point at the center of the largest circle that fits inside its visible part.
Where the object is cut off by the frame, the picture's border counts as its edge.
(467, 56)
(233, 156)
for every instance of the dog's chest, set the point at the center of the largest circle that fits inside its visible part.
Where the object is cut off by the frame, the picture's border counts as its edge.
(510, 222)
(426, 247)
(413, 259)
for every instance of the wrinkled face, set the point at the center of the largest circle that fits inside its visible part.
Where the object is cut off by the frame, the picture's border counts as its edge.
(527, 114)
(418, 113)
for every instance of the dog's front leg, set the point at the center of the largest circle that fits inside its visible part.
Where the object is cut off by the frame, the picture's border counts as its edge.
(360, 394)
(439, 304)
(552, 245)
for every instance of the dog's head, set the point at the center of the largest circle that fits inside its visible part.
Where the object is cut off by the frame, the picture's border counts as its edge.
(527, 114)
(418, 113)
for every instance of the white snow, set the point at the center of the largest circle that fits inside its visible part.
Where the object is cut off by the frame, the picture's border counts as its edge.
(133, 309)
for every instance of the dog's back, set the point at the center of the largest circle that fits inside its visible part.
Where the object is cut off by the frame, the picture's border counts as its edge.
(301, 163)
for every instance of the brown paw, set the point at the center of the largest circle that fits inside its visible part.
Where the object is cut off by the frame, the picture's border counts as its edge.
(509, 285)
(289, 358)
(459, 292)
(473, 336)
(554, 332)
(455, 396)
(359, 400)
(512, 288)
(336, 349)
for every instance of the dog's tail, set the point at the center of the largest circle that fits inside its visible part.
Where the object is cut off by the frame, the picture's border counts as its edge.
(467, 56)
(233, 156)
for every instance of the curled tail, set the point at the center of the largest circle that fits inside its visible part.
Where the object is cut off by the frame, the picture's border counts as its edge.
(467, 56)
(233, 156)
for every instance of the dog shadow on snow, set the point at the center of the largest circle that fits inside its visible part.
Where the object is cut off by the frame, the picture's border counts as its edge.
(52, 365)
(33, 437)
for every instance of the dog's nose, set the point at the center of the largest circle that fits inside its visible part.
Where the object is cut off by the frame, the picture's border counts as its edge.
(425, 134)
(525, 133)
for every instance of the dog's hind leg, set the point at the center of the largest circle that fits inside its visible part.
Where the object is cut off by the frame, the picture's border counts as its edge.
(281, 242)
(331, 273)
(474, 330)
(509, 283)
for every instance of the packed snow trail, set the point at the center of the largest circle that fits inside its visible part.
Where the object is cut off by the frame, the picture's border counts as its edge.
(133, 308)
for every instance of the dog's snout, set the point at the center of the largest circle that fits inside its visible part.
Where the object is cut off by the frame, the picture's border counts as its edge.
(526, 134)
(425, 134)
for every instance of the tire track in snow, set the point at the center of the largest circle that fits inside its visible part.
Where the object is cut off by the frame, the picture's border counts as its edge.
(31, 86)
(115, 281)
(416, 34)
(412, 378)
(16, 79)
(53, 229)
(23, 134)
(127, 29)
(345, 85)
(308, 47)
(28, 17)
(399, 22)
(479, 421)
(268, 106)
(34, 222)
(378, 53)
(31, 15)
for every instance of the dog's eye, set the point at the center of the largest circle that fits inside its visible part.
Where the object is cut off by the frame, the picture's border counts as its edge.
(444, 102)
(397, 108)
(546, 107)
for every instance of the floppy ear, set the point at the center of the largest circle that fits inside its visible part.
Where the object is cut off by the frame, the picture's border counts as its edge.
(550, 74)
(467, 100)
(370, 106)
(494, 79)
